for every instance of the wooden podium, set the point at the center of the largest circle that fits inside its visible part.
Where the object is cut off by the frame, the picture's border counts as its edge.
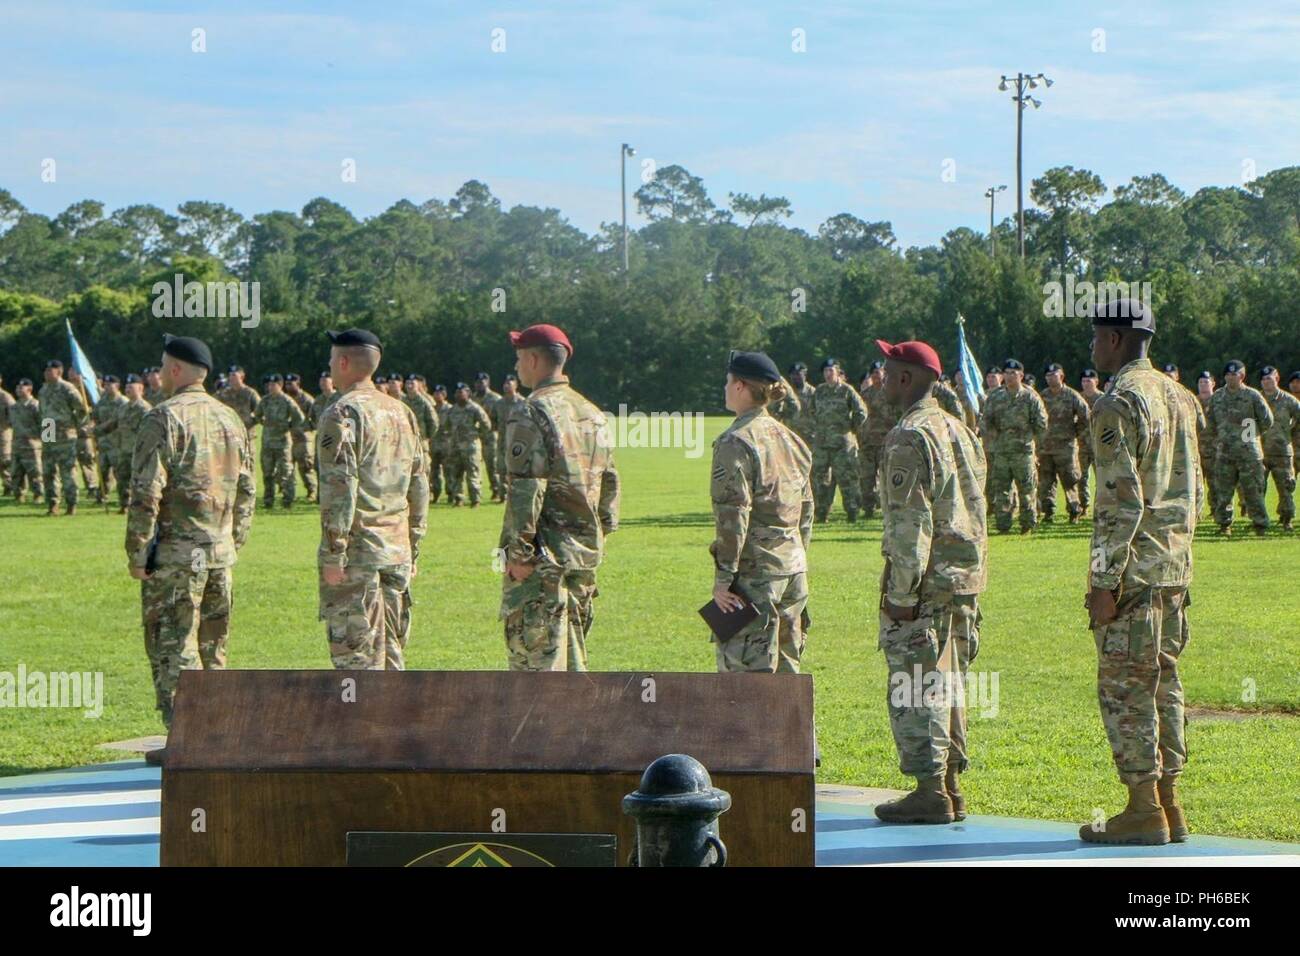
(275, 768)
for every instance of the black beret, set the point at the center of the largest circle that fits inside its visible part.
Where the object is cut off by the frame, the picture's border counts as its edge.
(25, 381)
(482, 376)
(1054, 367)
(132, 379)
(1089, 373)
(233, 368)
(798, 367)
(187, 349)
(1267, 370)
(877, 365)
(1206, 373)
(510, 377)
(440, 388)
(110, 379)
(54, 363)
(460, 385)
(355, 337)
(1010, 364)
(1234, 366)
(327, 374)
(410, 377)
(292, 377)
(830, 363)
(1125, 314)
(1171, 367)
(753, 365)
(381, 380)
(271, 377)
(1292, 377)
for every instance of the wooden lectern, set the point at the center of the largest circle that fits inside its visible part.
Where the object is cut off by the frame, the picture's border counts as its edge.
(275, 768)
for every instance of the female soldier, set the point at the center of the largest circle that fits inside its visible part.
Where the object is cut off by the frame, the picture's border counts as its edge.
(763, 511)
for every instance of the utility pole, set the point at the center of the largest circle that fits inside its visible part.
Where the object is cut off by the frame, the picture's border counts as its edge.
(624, 152)
(990, 193)
(1023, 101)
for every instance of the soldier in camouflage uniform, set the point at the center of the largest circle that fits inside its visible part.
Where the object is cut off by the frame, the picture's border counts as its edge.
(374, 503)
(279, 415)
(1148, 497)
(1089, 392)
(882, 415)
(1238, 417)
(1058, 455)
(838, 414)
(109, 406)
(154, 393)
(327, 396)
(242, 398)
(63, 406)
(87, 452)
(500, 414)
(123, 429)
(191, 507)
(1280, 441)
(992, 383)
(763, 514)
(946, 396)
(970, 413)
(1014, 419)
(562, 499)
(304, 436)
(25, 416)
(6, 439)
(935, 545)
(466, 429)
(1205, 389)
(487, 399)
(422, 405)
(794, 411)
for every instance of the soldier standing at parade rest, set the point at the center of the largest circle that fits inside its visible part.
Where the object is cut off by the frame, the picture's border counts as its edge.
(1280, 441)
(87, 452)
(500, 414)
(63, 406)
(304, 435)
(1238, 417)
(374, 502)
(1140, 566)
(1089, 391)
(1058, 458)
(326, 397)
(935, 545)
(25, 416)
(762, 515)
(1014, 419)
(467, 429)
(124, 427)
(242, 398)
(838, 415)
(562, 499)
(426, 417)
(487, 399)
(191, 507)
(795, 412)
(107, 441)
(279, 415)
(440, 444)
(154, 393)
(1205, 389)
(6, 438)
(882, 415)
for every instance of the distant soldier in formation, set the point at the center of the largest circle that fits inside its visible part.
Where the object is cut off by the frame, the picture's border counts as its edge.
(763, 515)
(191, 507)
(882, 415)
(1238, 417)
(1014, 420)
(25, 417)
(87, 453)
(562, 500)
(1058, 456)
(63, 407)
(440, 444)
(107, 441)
(153, 387)
(1280, 441)
(487, 399)
(242, 398)
(304, 435)
(122, 429)
(838, 415)
(426, 418)
(6, 439)
(1089, 391)
(992, 382)
(970, 413)
(935, 546)
(326, 397)
(1205, 388)
(467, 428)
(798, 417)
(374, 501)
(279, 415)
(1140, 566)
(500, 414)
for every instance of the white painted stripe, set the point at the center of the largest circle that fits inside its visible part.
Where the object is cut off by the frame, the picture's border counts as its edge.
(54, 801)
(1261, 859)
(73, 831)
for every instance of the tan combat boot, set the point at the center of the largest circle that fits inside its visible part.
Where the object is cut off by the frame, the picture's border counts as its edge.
(952, 783)
(1141, 823)
(928, 803)
(1174, 816)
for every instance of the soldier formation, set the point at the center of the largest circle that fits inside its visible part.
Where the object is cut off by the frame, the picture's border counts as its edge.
(375, 451)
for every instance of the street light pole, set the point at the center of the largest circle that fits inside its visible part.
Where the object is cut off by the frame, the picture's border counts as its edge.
(624, 152)
(1022, 80)
(990, 193)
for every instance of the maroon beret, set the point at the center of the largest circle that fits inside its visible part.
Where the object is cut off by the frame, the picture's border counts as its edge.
(543, 334)
(912, 353)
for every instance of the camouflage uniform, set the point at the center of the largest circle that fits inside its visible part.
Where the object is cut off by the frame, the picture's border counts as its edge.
(440, 452)
(25, 416)
(935, 545)
(6, 440)
(881, 417)
(1058, 456)
(795, 412)
(500, 414)
(426, 418)
(304, 441)
(62, 403)
(106, 440)
(763, 513)
(562, 498)
(947, 398)
(1013, 421)
(838, 413)
(87, 452)
(1148, 491)
(155, 396)
(124, 427)
(278, 415)
(466, 428)
(1238, 418)
(1085, 454)
(242, 398)
(1206, 441)
(487, 400)
(374, 503)
(1279, 454)
(192, 492)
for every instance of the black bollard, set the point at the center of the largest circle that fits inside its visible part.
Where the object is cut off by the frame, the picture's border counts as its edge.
(676, 809)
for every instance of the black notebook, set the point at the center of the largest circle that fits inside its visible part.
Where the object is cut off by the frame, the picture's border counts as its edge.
(725, 624)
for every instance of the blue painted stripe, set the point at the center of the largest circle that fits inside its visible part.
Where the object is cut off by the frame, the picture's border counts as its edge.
(141, 850)
(52, 790)
(81, 814)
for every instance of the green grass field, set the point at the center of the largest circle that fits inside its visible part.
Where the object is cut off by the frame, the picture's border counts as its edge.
(67, 604)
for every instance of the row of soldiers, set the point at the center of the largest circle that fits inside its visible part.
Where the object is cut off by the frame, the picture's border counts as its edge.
(1035, 440)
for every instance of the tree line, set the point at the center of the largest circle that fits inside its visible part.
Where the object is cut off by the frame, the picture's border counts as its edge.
(443, 281)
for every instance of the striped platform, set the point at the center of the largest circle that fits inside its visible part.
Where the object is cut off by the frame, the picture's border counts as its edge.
(107, 815)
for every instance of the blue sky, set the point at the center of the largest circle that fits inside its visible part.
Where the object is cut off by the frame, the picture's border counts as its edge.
(863, 121)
